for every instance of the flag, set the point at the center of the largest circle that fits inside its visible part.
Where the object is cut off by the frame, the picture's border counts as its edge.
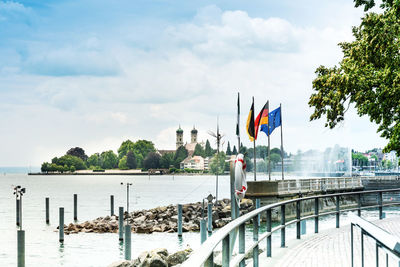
(262, 119)
(238, 118)
(274, 121)
(250, 123)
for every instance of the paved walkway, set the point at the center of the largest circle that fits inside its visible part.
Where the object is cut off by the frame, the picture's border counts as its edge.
(331, 248)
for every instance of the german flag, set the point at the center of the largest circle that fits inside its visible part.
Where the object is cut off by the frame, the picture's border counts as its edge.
(250, 123)
(262, 119)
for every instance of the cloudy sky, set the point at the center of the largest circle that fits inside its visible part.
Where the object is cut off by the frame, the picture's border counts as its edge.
(93, 73)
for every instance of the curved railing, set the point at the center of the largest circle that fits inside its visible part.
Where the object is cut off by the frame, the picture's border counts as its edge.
(205, 254)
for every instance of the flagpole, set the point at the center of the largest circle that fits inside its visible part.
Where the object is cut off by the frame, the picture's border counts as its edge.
(254, 147)
(280, 106)
(269, 148)
(238, 123)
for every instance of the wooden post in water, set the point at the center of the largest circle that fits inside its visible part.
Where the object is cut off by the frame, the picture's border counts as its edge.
(179, 219)
(121, 223)
(47, 210)
(203, 231)
(75, 207)
(112, 205)
(61, 225)
(127, 242)
(21, 248)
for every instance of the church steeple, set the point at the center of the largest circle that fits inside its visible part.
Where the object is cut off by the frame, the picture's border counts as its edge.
(194, 135)
(179, 137)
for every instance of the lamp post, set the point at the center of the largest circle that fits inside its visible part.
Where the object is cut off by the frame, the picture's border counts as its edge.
(19, 192)
(127, 195)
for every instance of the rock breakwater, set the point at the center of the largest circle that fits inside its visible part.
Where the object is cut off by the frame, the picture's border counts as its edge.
(162, 219)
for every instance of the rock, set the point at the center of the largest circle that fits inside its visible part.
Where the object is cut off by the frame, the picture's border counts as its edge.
(122, 264)
(155, 261)
(140, 219)
(174, 218)
(160, 251)
(178, 257)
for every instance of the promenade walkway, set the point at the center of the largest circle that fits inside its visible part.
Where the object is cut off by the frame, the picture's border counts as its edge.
(331, 248)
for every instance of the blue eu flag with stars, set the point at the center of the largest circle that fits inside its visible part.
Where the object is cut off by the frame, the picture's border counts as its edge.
(274, 121)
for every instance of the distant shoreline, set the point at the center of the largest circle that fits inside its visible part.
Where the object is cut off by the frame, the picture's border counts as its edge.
(119, 172)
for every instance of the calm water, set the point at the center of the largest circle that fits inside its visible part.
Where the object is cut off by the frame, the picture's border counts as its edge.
(42, 246)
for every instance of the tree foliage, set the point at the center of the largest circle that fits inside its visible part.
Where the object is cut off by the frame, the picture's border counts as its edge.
(124, 148)
(152, 161)
(109, 160)
(368, 76)
(69, 161)
(94, 160)
(167, 160)
(122, 165)
(217, 164)
(199, 151)
(228, 149)
(234, 152)
(131, 162)
(208, 150)
(180, 154)
(77, 152)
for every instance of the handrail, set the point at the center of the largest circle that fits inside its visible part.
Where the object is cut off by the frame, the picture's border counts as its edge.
(201, 255)
(383, 239)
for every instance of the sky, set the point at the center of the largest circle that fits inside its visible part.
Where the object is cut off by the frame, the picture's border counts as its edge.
(94, 73)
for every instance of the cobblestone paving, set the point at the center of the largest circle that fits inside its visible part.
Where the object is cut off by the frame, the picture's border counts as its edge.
(332, 248)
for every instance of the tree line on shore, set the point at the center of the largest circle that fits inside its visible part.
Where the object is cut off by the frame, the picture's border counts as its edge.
(143, 155)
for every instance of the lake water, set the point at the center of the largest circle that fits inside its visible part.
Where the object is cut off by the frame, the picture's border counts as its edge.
(42, 246)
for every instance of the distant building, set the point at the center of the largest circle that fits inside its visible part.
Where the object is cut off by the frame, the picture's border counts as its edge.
(194, 163)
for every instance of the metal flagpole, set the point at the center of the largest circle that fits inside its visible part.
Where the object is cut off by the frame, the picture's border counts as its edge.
(254, 144)
(269, 146)
(238, 123)
(280, 106)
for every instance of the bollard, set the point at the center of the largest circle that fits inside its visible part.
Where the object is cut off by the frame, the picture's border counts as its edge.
(298, 214)
(179, 219)
(383, 215)
(112, 205)
(258, 206)
(21, 248)
(121, 223)
(127, 242)
(209, 217)
(303, 227)
(269, 227)
(316, 213)
(203, 231)
(61, 225)
(47, 210)
(17, 210)
(75, 207)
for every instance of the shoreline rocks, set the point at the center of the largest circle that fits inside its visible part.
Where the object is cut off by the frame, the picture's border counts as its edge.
(162, 219)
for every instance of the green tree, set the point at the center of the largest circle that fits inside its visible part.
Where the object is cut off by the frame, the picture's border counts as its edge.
(108, 160)
(275, 158)
(152, 161)
(167, 160)
(208, 149)
(122, 165)
(93, 160)
(72, 169)
(69, 161)
(131, 160)
(199, 151)
(180, 154)
(141, 148)
(367, 76)
(77, 152)
(234, 152)
(276, 151)
(228, 149)
(124, 148)
(45, 167)
(218, 163)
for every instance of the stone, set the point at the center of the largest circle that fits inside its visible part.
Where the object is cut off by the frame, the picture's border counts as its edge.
(179, 257)
(140, 219)
(155, 260)
(160, 251)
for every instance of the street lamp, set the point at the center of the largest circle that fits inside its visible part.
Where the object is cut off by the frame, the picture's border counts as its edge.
(127, 196)
(19, 192)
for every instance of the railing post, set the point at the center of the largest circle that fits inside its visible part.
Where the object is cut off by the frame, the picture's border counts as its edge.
(47, 201)
(362, 248)
(316, 212)
(17, 211)
(242, 243)
(269, 230)
(283, 229)
(298, 219)
(225, 252)
(121, 223)
(203, 231)
(209, 217)
(112, 205)
(337, 212)
(179, 219)
(210, 261)
(255, 239)
(359, 205)
(380, 205)
(352, 245)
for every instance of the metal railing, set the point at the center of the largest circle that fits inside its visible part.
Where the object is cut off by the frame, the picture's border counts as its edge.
(383, 240)
(205, 254)
(318, 184)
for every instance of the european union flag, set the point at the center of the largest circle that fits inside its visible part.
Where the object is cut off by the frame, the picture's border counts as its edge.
(274, 121)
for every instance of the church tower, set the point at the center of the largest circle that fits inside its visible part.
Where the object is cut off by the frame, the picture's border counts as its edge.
(194, 135)
(179, 137)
